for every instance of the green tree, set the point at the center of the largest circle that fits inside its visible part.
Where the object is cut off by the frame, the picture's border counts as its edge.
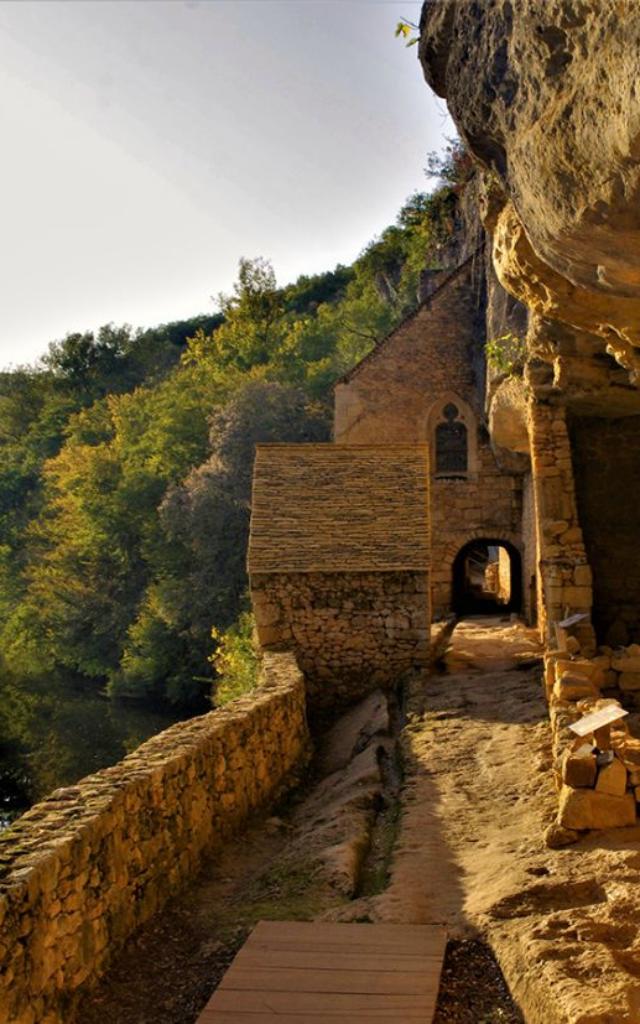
(199, 571)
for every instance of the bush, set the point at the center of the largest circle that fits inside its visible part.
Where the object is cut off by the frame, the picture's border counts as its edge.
(235, 661)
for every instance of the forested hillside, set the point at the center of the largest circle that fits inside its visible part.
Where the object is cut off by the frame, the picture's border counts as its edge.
(126, 462)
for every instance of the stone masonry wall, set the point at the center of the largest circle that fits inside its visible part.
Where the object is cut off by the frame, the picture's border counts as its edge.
(530, 570)
(595, 789)
(487, 507)
(387, 397)
(85, 867)
(565, 574)
(396, 394)
(350, 632)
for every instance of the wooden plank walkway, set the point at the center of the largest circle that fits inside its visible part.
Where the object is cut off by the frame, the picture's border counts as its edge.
(320, 973)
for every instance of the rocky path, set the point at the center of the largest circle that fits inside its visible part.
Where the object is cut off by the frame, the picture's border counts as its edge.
(293, 866)
(564, 924)
(466, 850)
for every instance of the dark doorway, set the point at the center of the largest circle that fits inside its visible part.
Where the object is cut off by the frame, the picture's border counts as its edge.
(487, 578)
(606, 469)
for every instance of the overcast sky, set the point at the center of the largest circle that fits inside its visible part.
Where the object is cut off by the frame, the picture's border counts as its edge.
(147, 145)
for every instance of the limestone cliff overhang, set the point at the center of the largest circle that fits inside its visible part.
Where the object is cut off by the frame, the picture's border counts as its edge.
(443, 284)
(321, 508)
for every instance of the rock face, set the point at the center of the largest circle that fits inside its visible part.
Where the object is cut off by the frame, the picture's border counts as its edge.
(546, 97)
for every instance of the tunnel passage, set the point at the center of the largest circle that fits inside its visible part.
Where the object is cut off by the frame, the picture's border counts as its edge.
(606, 466)
(487, 578)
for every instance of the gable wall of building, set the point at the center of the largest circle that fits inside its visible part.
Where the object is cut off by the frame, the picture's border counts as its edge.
(397, 394)
(388, 398)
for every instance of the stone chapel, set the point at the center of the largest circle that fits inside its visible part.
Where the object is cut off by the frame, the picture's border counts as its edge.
(409, 517)
(425, 382)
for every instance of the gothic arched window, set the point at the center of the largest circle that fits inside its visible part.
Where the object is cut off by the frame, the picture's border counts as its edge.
(451, 442)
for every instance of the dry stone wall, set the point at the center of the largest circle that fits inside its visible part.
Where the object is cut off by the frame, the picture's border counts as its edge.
(85, 867)
(566, 575)
(339, 560)
(351, 632)
(598, 775)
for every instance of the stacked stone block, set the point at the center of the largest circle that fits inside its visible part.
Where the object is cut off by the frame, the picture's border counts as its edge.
(595, 789)
(84, 868)
(565, 572)
(351, 632)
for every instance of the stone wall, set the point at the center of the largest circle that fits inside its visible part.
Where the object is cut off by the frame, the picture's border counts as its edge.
(486, 507)
(497, 576)
(397, 393)
(565, 574)
(530, 568)
(596, 790)
(388, 396)
(504, 575)
(351, 632)
(339, 562)
(81, 870)
(606, 460)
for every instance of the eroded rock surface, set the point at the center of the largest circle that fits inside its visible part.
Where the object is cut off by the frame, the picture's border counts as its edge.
(546, 96)
(563, 922)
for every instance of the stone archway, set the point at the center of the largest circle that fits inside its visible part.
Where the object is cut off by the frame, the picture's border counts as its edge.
(486, 578)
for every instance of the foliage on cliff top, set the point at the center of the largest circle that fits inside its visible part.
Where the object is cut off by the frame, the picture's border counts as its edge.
(126, 461)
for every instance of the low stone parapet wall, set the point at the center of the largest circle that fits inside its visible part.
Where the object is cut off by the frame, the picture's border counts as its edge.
(81, 870)
(352, 632)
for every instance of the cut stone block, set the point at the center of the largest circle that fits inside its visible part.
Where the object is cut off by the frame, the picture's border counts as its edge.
(592, 669)
(630, 754)
(587, 808)
(612, 779)
(579, 770)
(576, 666)
(574, 687)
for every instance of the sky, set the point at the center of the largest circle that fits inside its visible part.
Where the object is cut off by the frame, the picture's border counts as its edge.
(148, 144)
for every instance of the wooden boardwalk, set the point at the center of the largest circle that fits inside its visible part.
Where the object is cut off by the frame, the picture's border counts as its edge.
(317, 973)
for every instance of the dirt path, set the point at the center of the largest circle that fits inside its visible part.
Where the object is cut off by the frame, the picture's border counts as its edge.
(565, 924)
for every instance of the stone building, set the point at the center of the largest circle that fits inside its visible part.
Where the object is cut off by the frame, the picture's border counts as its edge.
(410, 516)
(339, 560)
(425, 382)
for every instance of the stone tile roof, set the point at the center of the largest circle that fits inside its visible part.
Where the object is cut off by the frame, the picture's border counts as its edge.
(340, 508)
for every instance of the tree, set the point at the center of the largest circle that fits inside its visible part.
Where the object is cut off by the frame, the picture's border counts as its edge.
(252, 315)
(200, 577)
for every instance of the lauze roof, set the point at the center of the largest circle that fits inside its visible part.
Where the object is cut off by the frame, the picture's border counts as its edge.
(339, 508)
